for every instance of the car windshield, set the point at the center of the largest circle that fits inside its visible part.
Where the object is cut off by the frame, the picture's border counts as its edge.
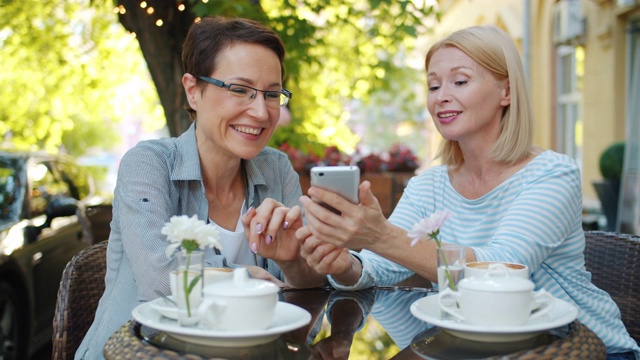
(11, 188)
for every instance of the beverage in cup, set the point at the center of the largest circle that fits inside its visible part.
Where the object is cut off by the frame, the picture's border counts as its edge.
(214, 275)
(479, 268)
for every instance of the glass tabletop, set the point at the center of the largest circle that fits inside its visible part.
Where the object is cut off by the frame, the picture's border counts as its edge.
(372, 323)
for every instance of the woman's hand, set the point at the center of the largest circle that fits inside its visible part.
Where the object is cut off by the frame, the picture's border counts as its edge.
(356, 227)
(260, 273)
(323, 257)
(271, 229)
(328, 259)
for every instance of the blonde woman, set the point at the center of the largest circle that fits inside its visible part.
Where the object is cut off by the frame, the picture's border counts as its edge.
(511, 201)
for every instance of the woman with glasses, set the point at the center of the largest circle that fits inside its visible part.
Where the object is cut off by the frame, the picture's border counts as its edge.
(220, 170)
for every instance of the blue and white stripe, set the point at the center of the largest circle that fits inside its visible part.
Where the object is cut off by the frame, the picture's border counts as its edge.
(533, 218)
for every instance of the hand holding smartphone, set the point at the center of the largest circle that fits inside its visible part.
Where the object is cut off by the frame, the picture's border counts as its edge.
(342, 180)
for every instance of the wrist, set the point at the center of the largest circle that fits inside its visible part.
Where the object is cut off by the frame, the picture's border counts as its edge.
(353, 273)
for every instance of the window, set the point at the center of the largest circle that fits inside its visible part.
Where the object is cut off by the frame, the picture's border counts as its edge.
(76, 178)
(629, 207)
(570, 60)
(568, 36)
(45, 185)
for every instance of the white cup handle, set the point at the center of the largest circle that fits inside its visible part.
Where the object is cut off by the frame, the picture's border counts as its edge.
(542, 303)
(497, 270)
(455, 312)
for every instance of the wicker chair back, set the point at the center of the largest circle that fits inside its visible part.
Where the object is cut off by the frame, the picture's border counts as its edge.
(80, 290)
(614, 262)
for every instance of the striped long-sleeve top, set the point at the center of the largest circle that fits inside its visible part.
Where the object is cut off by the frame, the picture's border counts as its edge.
(533, 218)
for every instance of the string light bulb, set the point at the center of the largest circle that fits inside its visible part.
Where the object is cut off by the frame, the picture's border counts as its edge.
(181, 7)
(119, 10)
(159, 22)
(150, 10)
(143, 4)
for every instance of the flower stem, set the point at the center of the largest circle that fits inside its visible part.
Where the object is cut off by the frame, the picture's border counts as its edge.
(185, 283)
(452, 285)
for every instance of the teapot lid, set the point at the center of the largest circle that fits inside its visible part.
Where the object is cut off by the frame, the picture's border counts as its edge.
(496, 279)
(241, 285)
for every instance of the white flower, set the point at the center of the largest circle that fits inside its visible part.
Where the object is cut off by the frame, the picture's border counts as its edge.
(190, 233)
(429, 227)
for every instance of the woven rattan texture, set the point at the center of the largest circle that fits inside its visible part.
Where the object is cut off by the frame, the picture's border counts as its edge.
(126, 344)
(614, 262)
(579, 344)
(80, 290)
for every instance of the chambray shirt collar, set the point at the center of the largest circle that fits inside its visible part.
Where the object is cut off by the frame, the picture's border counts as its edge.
(187, 162)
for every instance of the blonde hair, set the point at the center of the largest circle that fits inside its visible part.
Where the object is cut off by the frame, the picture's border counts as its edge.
(494, 50)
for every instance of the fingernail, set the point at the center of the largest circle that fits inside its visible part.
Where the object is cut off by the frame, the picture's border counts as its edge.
(254, 247)
(286, 225)
(258, 228)
(269, 239)
(248, 210)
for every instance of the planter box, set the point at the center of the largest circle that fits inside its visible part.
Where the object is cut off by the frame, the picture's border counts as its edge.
(387, 187)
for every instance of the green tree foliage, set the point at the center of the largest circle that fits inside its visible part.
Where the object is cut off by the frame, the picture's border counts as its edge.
(66, 75)
(337, 51)
(372, 342)
(355, 50)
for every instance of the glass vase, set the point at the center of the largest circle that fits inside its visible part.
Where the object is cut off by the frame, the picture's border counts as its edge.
(451, 260)
(189, 283)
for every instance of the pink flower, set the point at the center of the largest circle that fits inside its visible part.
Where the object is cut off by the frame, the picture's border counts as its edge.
(429, 227)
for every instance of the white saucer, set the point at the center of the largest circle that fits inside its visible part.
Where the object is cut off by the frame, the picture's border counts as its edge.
(428, 310)
(165, 308)
(287, 317)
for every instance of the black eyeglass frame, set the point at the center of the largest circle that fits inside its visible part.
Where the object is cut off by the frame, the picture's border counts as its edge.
(221, 84)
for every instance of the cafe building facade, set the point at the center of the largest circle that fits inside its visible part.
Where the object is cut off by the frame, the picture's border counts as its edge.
(582, 59)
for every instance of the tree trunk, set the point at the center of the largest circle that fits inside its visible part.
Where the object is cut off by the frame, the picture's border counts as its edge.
(161, 47)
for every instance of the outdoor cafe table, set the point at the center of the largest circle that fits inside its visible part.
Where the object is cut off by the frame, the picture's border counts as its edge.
(346, 313)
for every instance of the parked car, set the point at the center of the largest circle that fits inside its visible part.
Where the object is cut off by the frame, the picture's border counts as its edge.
(44, 201)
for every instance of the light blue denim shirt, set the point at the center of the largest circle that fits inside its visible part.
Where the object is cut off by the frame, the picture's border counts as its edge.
(156, 180)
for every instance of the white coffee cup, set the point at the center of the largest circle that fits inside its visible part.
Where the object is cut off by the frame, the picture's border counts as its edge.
(195, 297)
(495, 299)
(479, 268)
(241, 304)
(214, 275)
(211, 275)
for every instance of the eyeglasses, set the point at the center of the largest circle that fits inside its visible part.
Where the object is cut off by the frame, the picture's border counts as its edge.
(246, 94)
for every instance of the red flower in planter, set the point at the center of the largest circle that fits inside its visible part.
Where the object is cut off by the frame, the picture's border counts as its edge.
(399, 158)
(402, 158)
(300, 161)
(372, 163)
(333, 156)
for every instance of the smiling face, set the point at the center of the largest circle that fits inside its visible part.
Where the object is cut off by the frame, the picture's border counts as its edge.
(225, 125)
(465, 100)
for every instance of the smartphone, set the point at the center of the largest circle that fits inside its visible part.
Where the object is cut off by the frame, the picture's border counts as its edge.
(342, 180)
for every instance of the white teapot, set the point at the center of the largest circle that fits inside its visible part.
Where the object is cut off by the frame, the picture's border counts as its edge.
(239, 304)
(496, 299)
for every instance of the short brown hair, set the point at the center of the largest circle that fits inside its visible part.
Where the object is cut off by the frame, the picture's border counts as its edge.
(211, 35)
